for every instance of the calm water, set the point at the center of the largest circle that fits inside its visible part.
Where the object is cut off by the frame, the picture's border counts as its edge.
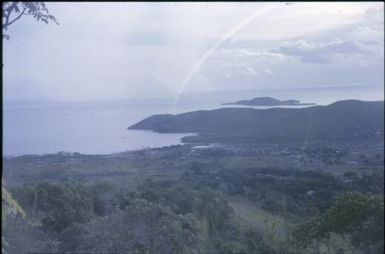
(100, 127)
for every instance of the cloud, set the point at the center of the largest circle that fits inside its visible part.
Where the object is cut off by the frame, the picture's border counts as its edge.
(263, 55)
(368, 34)
(251, 72)
(303, 19)
(118, 50)
(240, 62)
(267, 71)
(334, 51)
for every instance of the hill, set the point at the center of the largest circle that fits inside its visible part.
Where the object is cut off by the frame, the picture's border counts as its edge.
(343, 120)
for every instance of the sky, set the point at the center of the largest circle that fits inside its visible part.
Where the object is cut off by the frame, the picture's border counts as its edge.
(132, 50)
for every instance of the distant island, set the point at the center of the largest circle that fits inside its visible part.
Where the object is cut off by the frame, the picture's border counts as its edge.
(334, 121)
(268, 101)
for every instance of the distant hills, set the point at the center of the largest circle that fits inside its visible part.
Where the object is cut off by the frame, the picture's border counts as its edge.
(268, 101)
(343, 120)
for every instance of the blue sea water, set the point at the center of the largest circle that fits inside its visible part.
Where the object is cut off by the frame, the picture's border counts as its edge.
(100, 127)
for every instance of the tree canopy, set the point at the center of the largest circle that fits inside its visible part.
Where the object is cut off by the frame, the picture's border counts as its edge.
(355, 214)
(13, 11)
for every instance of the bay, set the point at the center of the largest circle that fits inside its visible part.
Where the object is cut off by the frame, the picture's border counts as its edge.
(100, 127)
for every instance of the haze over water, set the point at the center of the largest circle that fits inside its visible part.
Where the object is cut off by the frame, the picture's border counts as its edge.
(100, 127)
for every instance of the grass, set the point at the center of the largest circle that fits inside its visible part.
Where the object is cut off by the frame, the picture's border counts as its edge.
(252, 215)
(273, 227)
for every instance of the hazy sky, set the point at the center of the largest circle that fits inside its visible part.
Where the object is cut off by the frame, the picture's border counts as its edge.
(125, 50)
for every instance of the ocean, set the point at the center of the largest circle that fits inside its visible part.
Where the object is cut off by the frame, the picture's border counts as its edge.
(100, 127)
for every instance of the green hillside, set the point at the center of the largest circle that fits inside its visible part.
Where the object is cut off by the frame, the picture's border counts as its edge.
(342, 120)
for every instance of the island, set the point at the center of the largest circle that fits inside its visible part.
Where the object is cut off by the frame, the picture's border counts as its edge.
(268, 101)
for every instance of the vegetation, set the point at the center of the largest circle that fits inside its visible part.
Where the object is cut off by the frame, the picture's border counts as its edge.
(209, 209)
(247, 125)
(10, 207)
(356, 215)
(13, 11)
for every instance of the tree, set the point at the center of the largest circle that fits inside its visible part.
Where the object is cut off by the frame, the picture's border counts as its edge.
(13, 11)
(357, 215)
(62, 205)
(9, 207)
(143, 227)
(20, 230)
